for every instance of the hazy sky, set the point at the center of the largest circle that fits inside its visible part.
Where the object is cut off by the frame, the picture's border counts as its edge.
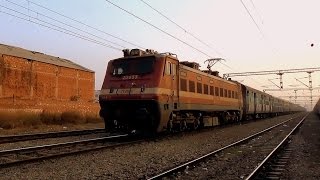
(288, 28)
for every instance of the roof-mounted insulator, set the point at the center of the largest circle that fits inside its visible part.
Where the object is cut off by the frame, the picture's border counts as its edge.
(126, 52)
(151, 51)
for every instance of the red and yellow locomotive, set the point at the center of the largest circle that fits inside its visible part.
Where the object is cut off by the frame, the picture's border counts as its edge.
(153, 92)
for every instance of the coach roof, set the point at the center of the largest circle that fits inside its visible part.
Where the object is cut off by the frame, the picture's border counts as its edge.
(40, 57)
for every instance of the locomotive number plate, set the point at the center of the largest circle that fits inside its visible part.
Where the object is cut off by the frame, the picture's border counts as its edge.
(130, 77)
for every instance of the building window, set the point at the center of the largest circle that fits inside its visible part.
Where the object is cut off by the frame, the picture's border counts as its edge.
(199, 88)
(192, 87)
(212, 90)
(183, 85)
(205, 89)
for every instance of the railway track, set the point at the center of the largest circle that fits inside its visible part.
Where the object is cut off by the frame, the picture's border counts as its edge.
(30, 154)
(27, 137)
(273, 165)
(203, 158)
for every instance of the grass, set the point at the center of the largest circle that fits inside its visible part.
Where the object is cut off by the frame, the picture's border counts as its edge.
(25, 118)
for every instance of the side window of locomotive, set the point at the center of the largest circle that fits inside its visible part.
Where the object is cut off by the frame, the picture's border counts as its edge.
(199, 88)
(192, 86)
(212, 90)
(183, 85)
(205, 89)
(216, 89)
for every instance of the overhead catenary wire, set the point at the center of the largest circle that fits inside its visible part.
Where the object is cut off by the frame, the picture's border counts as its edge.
(159, 29)
(258, 27)
(257, 11)
(87, 25)
(38, 13)
(254, 21)
(179, 26)
(59, 29)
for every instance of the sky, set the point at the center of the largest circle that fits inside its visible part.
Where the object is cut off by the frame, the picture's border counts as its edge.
(280, 36)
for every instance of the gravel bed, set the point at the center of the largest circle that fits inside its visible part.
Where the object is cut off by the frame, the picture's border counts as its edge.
(39, 142)
(305, 157)
(139, 160)
(239, 161)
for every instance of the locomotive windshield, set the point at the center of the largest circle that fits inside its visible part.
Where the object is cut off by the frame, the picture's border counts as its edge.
(141, 65)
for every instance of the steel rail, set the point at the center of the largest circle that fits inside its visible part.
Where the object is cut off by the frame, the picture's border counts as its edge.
(197, 160)
(59, 147)
(25, 137)
(32, 148)
(256, 171)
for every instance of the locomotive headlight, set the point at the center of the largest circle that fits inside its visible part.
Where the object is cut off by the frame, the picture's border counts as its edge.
(143, 88)
(111, 90)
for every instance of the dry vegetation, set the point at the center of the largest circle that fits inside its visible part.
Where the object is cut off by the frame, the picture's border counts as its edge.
(34, 119)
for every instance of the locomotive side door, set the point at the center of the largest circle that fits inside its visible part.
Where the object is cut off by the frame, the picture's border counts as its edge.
(172, 69)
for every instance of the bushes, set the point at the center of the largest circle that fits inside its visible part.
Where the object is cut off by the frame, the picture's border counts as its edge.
(13, 119)
(24, 118)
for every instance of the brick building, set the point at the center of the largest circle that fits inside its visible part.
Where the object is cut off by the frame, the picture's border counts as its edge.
(32, 75)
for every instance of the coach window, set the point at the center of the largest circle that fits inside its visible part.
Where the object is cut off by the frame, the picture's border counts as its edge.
(212, 90)
(216, 89)
(221, 92)
(236, 94)
(205, 89)
(225, 93)
(229, 93)
(191, 86)
(232, 94)
(183, 85)
(199, 88)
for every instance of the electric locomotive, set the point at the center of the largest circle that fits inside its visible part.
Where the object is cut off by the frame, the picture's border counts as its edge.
(154, 92)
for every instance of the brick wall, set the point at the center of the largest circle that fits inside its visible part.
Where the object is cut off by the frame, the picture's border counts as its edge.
(26, 79)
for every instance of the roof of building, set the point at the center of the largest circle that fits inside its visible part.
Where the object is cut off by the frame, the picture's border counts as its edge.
(40, 57)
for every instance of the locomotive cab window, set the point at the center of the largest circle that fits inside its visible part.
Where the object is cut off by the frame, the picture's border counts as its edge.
(134, 66)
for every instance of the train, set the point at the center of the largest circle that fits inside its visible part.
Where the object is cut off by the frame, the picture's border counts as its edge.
(147, 91)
